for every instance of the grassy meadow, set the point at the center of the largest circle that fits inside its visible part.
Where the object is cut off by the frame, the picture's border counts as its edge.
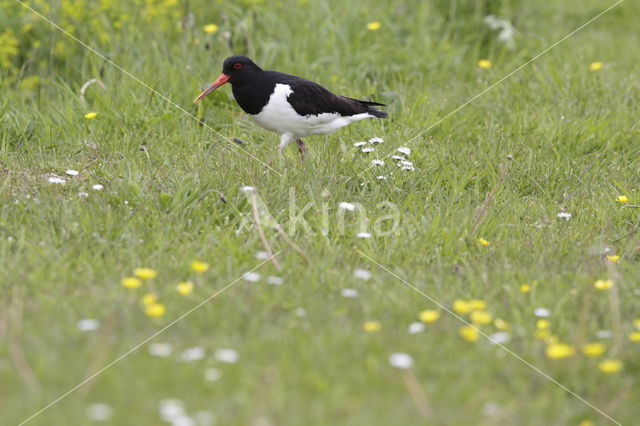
(518, 213)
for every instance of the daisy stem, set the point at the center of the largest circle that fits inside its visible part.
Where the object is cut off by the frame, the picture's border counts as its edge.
(416, 392)
(265, 243)
(614, 307)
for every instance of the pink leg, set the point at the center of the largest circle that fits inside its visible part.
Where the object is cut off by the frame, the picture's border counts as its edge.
(302, 149)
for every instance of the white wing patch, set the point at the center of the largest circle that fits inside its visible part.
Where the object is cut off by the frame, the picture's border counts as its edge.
(279, 116)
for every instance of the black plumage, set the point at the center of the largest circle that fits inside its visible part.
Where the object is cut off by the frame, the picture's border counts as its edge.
(289, 105)
(254, 87)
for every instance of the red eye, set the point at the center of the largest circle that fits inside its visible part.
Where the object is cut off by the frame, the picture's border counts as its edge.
(237, 65)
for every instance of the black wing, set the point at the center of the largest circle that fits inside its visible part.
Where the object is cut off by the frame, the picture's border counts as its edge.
(309, 98)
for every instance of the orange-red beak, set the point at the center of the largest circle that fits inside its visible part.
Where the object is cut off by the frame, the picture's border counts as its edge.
(219, 82)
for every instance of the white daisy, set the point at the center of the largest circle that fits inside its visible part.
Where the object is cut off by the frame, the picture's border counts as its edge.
(410, 168)
(247, 189)
(226, 355)
(500, 337)
(368, 149)
(416, 327)
(350, 293)
(170, 409)
(72, 172)
(57, 180)
(404, 150)
(363, 235)
(381, 177)
(88, 324)
(192, 354)
(564, 215)
(541, 312)
(97, 187)
(397, 157)
(161, 350)
(274, 280)
(359, 144)
(99, 412)
(377, 162)
(346, 206)
(83, 194)
(262, 255)
(251, 277)
(401, 360)
(362, 274)
(376, 141)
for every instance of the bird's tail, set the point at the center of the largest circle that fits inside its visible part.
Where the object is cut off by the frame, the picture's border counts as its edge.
(377, 113)
(370, 107)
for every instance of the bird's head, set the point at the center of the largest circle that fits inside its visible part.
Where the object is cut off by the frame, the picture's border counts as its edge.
(237, 70)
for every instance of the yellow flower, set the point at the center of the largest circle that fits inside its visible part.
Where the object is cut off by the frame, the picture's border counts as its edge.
(184, 287)
(594, 350)
(485, 64)
(586, 422)
(155, 310)
(371, 326)
(429, 316)
(603, 284)
(477, 304)
(622, 199)
(374, 26)
(149, 299)
(634, 337)
(481, 317)
(544, 334)
(211, 28)
(484, 242)
(525, 288)
(90, 115)
(462, 306)
(468, 333)
(559, 351)
(610, 366)
(613, 259)
(145, 273)
(596, 66)
(199, 267)
(501, 324)
(131, 282)
(543, 324)
(636, 323)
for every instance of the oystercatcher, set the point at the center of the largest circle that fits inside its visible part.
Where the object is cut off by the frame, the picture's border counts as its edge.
(288, 105)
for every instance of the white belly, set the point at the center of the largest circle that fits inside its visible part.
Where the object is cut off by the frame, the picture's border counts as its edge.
(280, 117)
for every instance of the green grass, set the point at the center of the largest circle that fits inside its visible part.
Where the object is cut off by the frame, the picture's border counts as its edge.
(572, 135)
